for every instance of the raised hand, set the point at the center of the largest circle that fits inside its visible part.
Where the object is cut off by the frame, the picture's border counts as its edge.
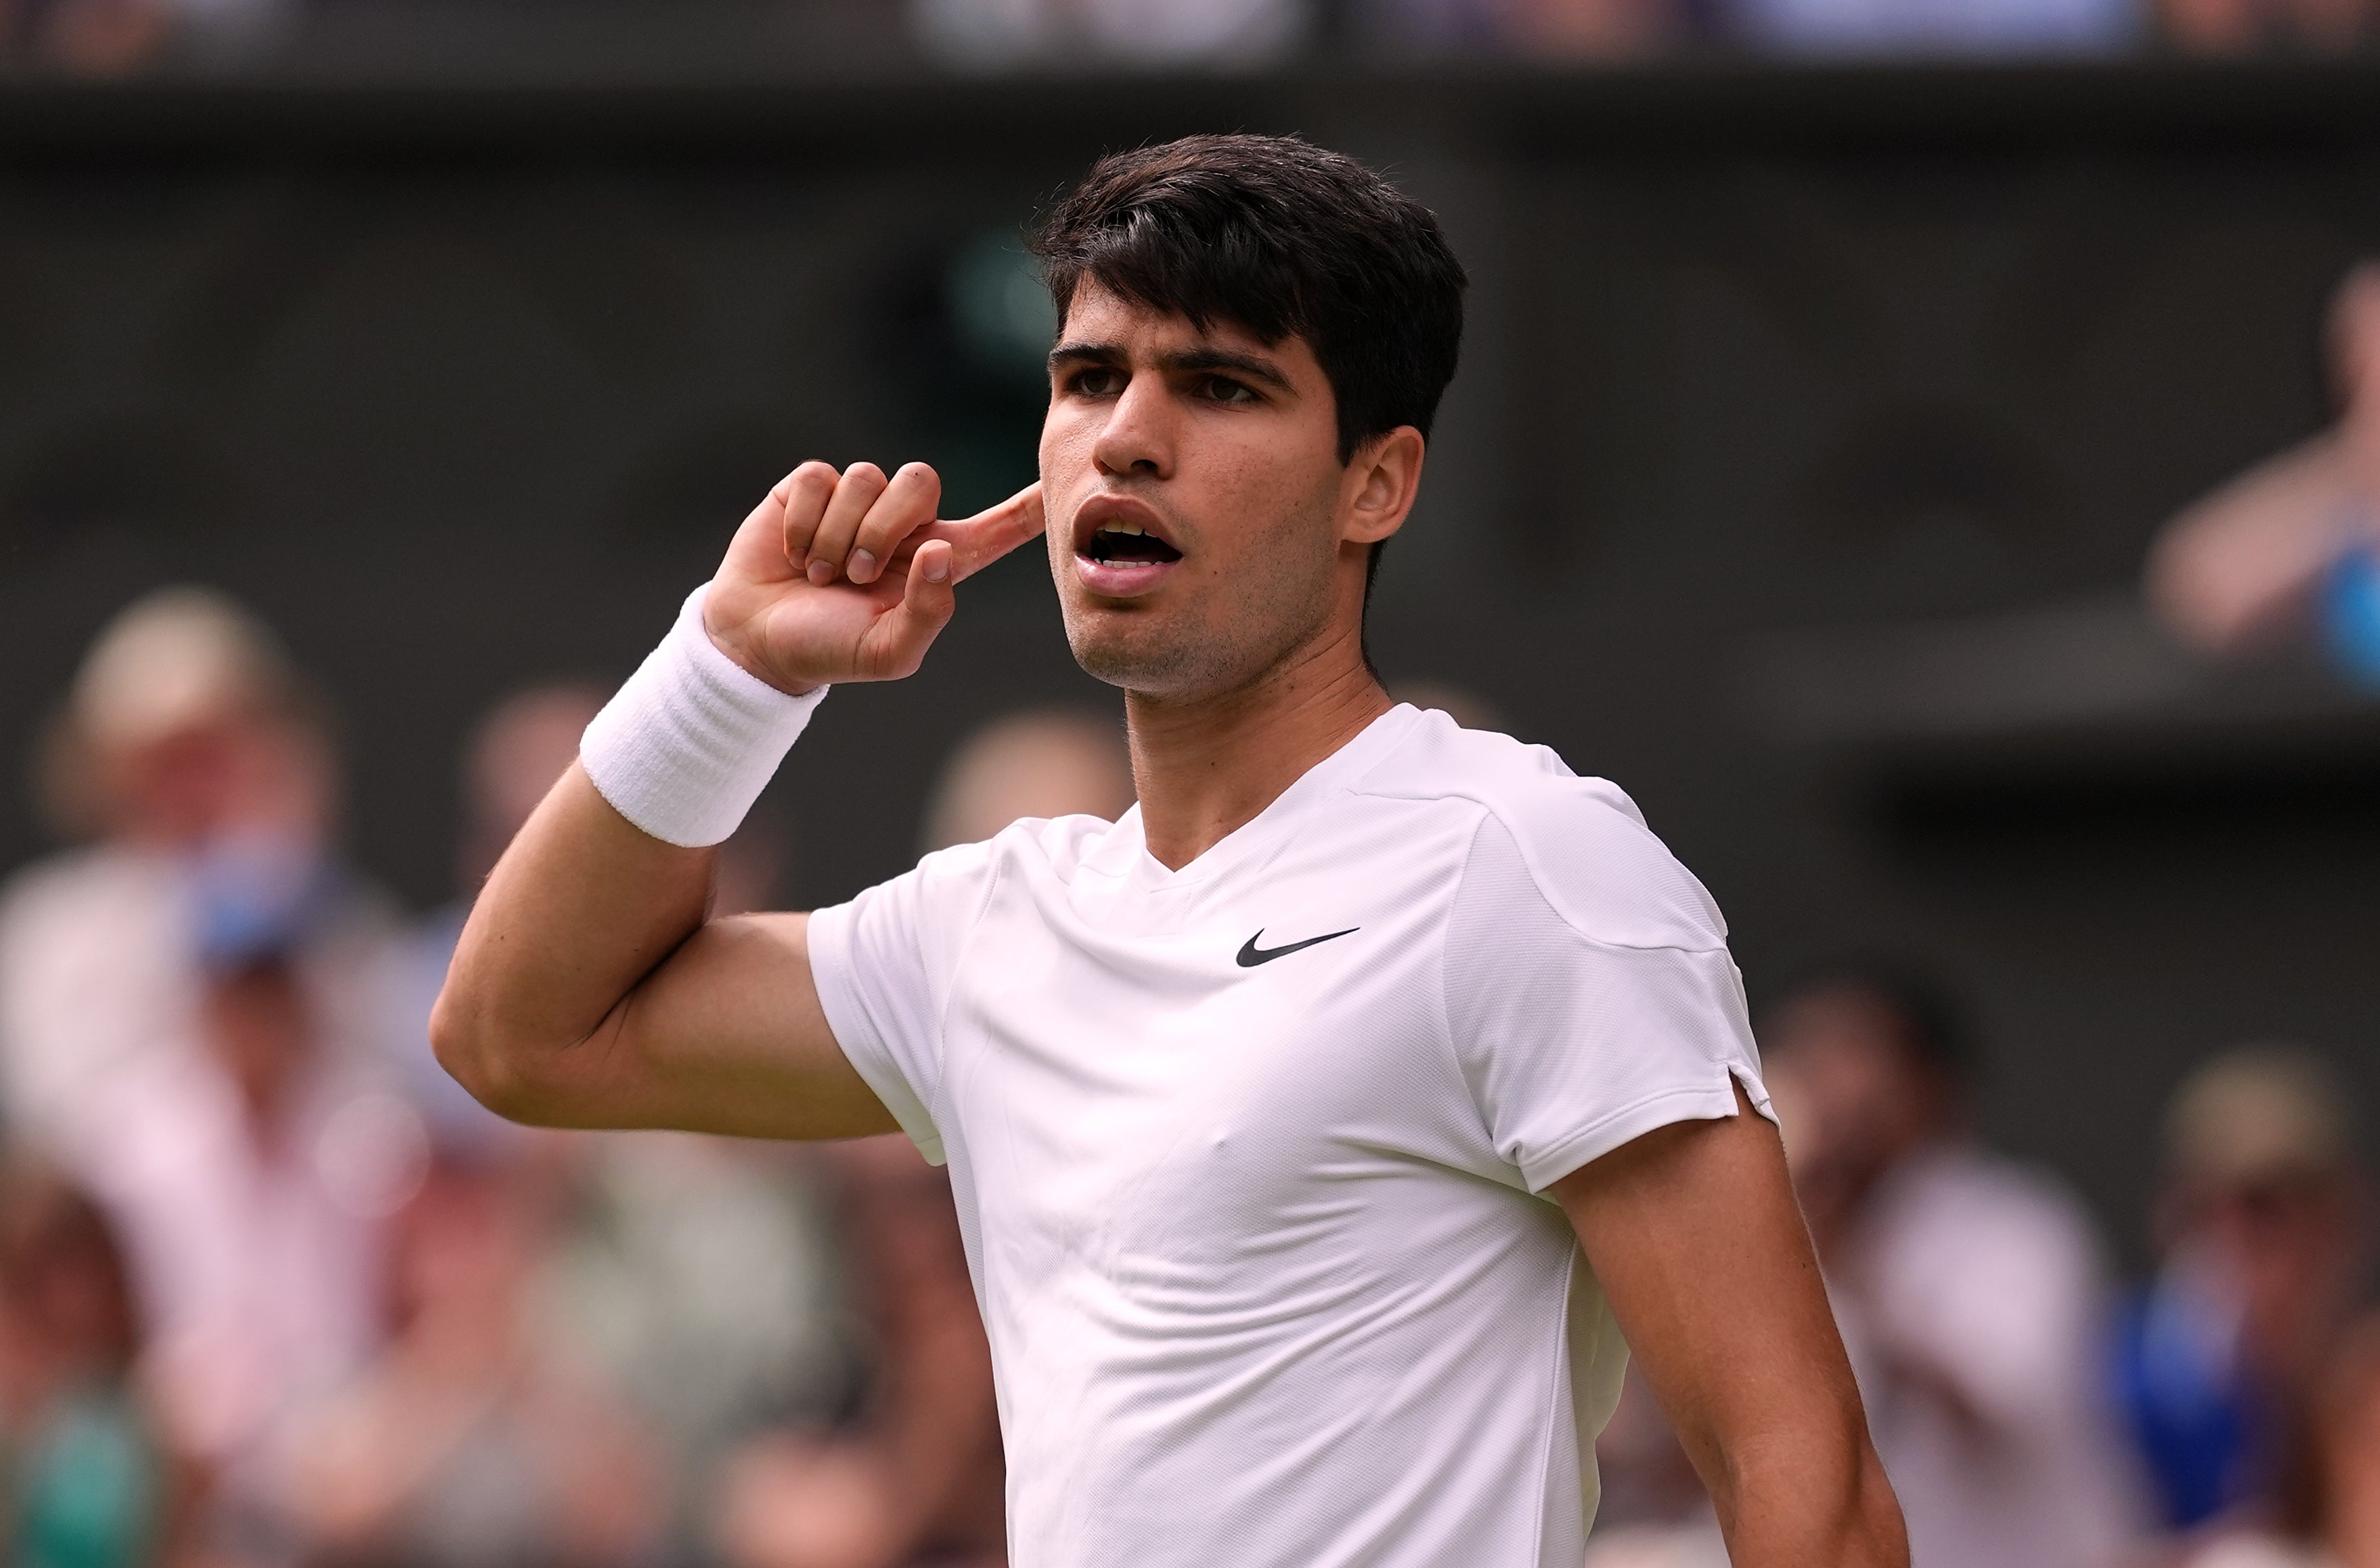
(847, 576)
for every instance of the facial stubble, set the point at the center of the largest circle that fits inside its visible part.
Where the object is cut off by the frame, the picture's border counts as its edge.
(1224, 635)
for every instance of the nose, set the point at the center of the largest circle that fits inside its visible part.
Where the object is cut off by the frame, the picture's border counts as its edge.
(1137, 440)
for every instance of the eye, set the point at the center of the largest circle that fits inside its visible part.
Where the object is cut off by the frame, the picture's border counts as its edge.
(1093, 381)
(1223, 389)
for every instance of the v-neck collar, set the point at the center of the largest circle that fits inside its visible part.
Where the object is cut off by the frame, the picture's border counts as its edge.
(1124, 850)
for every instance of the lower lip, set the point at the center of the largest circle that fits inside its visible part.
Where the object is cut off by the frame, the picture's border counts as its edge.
(1116, 579)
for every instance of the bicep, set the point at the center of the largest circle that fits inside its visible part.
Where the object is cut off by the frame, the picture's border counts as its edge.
(727, 1036)
(1696, 1240)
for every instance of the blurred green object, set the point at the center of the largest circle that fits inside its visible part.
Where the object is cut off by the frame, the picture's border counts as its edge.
(87, 1491)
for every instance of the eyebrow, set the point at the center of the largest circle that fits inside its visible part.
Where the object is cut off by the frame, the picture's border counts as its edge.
(1256, 367)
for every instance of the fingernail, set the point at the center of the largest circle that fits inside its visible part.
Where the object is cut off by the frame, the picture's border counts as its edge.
(940, 570)
(861, 566)
(820, 573)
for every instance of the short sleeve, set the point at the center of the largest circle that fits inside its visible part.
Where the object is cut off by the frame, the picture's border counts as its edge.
(882, 966)
(1574, 1042)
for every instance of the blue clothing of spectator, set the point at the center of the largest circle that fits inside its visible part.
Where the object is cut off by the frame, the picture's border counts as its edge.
(2186, 1404)
(2350, 615)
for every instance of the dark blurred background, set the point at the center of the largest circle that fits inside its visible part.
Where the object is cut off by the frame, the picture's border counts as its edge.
(1831, 370)
(1813, 423)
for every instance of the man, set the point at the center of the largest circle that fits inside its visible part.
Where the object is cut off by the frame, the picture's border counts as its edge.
(1972, 1287)
(2263, 1227)
(1252, 1098)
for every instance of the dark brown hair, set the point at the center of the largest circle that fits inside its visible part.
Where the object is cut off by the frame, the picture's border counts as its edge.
(1284, 238)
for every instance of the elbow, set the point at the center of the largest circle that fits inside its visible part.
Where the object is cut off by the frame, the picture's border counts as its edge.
(1874, 1530)
(471, 1049)
(1807, 1501)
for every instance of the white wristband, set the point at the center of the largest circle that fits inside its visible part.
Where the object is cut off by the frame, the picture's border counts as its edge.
(686, 746)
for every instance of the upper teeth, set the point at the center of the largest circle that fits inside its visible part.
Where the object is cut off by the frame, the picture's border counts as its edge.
(1123, 527)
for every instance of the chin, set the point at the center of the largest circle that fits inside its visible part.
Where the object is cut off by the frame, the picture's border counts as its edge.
(1128, 652)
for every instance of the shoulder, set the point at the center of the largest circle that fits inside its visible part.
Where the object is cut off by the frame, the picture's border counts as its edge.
(1581, 841)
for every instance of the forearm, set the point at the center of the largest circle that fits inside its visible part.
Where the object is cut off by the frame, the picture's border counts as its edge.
(1792, 1504)
(1694, 1234)
(581, 908)
(588, 990)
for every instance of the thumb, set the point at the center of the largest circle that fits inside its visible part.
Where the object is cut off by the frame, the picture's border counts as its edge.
(903, 634)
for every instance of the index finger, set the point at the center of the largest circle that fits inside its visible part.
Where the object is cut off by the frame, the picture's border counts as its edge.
(976, 543)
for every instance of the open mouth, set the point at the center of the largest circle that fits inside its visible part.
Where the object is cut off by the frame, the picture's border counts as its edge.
(1120, 550)
(1121, 543)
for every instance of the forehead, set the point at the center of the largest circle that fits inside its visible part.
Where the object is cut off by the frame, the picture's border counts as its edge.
(1098, 318)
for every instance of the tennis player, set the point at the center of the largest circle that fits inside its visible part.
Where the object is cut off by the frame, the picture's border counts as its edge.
(1318, 1129)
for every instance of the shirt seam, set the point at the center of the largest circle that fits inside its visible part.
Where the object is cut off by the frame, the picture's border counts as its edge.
(1537, 881)
(1563, 1382)
(1456, 1057)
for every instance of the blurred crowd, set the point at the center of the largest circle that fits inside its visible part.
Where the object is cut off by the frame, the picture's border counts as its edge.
(274, 1293)
(111, 38)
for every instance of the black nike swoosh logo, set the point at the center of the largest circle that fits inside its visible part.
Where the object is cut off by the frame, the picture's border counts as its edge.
(1251, 955)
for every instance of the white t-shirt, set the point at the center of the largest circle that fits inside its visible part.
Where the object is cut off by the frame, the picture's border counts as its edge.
(1250, 1156)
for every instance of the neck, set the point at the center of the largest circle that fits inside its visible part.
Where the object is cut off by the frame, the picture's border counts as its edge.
(1206, 765)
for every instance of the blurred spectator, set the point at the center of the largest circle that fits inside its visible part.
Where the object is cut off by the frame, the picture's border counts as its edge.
(695, 1275)
(98, 38)
(2330, 1514)
(1544, 30)
(82, 1480)
(2290, 551)
(113, 37)
(698, 1277)
(918, 1480)
(1051, 763)
(250, 1181)
(184, 1019)
(1001, 34)
(1969, 1287)
(470, 1444)
(188, 750)
(514, 754)
(2242, 26)
(2261, 1228)
(2004, 27)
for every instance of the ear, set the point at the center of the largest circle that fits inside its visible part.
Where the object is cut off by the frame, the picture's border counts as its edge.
(1382, 479)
